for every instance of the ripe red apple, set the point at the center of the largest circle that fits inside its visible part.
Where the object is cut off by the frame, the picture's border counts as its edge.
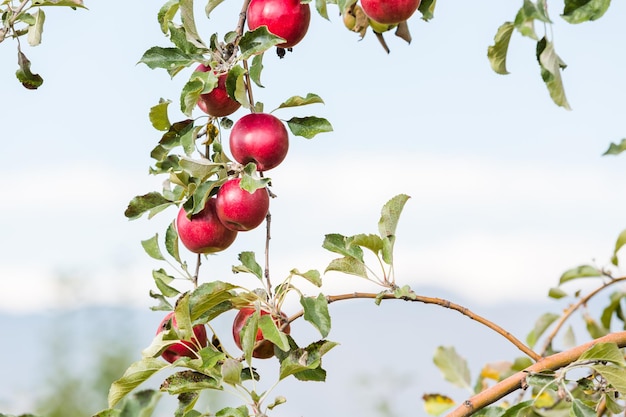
(266, 348)
(260, 138)
(390, 12)
(239, 209)
(288, 19)
(217, 102)
(204, 233)
(185, 347)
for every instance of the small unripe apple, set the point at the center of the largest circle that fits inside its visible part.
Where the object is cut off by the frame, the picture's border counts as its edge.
(265, 349)
(204, 232)
(185, 347)
(217, 102)
(260, 138)
(288, 19)
(390, 12)
(239, 209)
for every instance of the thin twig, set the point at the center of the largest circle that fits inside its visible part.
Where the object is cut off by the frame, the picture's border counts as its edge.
(268, 236)
(567, 314)
(441, 302)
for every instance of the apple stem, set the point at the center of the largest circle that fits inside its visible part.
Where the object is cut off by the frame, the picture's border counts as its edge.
(248, 86)
(268, 282)
(195, 275)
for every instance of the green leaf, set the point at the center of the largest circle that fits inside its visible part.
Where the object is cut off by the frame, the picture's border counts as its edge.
(67, 3)
(162, 281)
(211, 5)
(348, 265)
(151, 246)
(526, 16)
(342, 245)
(152, 202)
(190, 94)
(614, 375)
(248, 335)
(171, 242)
(522, 409)
(158, 115)
(141, 403)
(579, 11)
(257, 41)
(614, 307)
(309, 126)
(604, 352)
(390, 215)
(296, 101)
(250, 181)
(272, 333)
(320, 6)
(188, 381)
(541, 325)
(201, 168)
(621, 241)
(427, 9)
(313, 276)
(491, 411)
(210, 296)
(236, 86)
(163, 305)
(166, 14)
(369, 241)
(556, 293)
(24, 75)
(231, 371)
(249, 265)
(616, 149)
(453, 366)
(184, 328)
(256, 68)
(171, 59)
(189, 23)
(498, 51)
(551, 66)
(186, 402)
(304, 363)
(137, 373)
(580, 409)
(316, 313)
(241, 411)
(595, 329)
(35, 30)
(583, 271)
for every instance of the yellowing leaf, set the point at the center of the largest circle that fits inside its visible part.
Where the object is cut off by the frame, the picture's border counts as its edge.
(435, 404)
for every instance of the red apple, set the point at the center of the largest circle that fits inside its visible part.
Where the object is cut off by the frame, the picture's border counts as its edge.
(288, 19)
(239, 209)
(260, 138)
(204, 233)
(217, 102)
(265, 349)
(390, 12)
(185, 347)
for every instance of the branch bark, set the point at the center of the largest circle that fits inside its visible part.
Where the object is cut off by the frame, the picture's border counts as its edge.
(441, 302)
(516, 381)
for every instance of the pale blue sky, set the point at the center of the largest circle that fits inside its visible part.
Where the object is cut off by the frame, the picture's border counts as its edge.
(507, 189)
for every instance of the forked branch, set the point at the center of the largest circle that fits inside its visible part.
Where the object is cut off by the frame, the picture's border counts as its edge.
(517, 381)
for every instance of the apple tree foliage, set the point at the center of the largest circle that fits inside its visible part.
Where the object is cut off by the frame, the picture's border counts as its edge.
(586, 379)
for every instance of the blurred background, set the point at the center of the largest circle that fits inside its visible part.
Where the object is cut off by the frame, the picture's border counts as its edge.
(508, 191)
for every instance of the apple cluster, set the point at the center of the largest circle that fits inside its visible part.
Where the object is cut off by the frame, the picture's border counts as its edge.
(258, 138)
